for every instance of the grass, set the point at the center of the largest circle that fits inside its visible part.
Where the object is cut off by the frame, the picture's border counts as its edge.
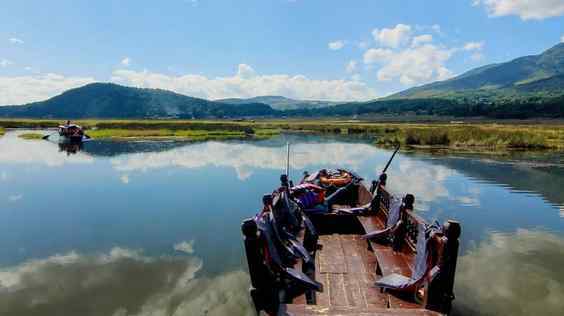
(31, 136)
(1, 131)
(474, 134)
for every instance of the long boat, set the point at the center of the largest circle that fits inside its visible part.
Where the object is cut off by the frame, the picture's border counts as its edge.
(359, 251)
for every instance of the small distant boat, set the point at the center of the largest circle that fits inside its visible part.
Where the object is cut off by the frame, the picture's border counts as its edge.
(332, 246)
(70, 133)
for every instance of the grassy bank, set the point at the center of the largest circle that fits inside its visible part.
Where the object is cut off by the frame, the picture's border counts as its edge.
(456, 135)
(492, 137)
(31, 136)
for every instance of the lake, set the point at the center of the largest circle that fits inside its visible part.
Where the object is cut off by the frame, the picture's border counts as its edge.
(153, 227)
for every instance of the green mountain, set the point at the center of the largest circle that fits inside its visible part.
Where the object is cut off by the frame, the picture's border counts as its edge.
(282, 103)
(107, 100)
(530, 74)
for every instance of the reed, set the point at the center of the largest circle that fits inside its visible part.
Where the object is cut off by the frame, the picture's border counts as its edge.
(31, 136)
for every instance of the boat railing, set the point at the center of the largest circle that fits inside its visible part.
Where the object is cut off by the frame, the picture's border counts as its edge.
(440, 289)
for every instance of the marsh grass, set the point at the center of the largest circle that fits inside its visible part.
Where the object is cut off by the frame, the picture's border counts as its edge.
(31, 136)
(493, 136)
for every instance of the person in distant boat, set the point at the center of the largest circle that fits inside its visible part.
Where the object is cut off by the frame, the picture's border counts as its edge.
(68, 123)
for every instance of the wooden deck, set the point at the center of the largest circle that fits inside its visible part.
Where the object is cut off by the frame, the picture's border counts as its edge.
(347, 268)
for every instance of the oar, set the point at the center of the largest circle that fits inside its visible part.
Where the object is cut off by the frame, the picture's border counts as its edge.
(391, 158)
(47, 136)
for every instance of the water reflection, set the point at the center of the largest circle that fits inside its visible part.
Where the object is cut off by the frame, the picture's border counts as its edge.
(177, 200)
(120, 282)
(518, 273)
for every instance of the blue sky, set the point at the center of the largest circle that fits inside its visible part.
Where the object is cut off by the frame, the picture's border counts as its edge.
(312, 49)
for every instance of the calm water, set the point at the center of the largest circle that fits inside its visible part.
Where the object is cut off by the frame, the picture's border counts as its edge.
(152, 228)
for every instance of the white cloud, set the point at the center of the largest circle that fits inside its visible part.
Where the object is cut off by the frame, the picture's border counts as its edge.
(562, 39)
(248, 83)
(126, 62)
(436, 28)
(474, 46)
(393, 37)
(377, 55)
(413, 65)
(15, 40)
(525, 9)
(422, 39)
(5, 63)
(336, 45)
(351, 66)
(24, 89)
(185, 246)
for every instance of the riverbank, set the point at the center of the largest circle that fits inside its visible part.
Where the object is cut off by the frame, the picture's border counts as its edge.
(435, 135)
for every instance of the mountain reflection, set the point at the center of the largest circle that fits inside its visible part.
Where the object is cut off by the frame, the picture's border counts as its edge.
(520, 273)
(118, 283)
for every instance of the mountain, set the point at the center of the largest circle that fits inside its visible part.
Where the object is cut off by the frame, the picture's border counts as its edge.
(282, 103)
(529, 74)
(107, 100)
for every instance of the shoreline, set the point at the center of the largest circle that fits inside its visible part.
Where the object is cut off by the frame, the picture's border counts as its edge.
(437, 136)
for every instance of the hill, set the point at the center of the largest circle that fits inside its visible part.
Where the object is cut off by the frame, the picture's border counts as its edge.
(538, 73)
(282, 103)
(107, 100)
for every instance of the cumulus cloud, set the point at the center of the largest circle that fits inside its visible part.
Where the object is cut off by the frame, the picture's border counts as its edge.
(525, 9)
(422, 39)
(15, 40)
(562, 39)
(120, 282)
(414, 65)
(392, 37)
(24, 89)
(377, 55)
(248, 83)
(473, 46)
(126, 61)
(5, 63)
(336, 45)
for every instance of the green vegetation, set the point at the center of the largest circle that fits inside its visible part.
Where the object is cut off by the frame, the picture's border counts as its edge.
(31, 136)
(1, 131)
(456, 135)
(468, 136)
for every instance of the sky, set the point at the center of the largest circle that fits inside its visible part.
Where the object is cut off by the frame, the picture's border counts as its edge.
(304, 49)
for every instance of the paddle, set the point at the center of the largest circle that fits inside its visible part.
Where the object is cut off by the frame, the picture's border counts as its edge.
(391, 158)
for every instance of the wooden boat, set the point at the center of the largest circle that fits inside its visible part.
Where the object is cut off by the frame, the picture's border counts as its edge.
(72, 133)
(352, 259)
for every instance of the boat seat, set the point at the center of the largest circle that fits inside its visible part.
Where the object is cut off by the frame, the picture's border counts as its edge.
(389, 261)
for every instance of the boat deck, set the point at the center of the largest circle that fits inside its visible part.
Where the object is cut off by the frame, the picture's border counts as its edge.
(347, 267)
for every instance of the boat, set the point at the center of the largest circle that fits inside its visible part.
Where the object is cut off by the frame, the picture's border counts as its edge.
(72, 133)
(348, 249)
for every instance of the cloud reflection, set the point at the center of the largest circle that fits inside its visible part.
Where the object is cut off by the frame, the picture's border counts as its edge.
(512, 274)
(14, 150)
(121, 282)
(244, 157)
